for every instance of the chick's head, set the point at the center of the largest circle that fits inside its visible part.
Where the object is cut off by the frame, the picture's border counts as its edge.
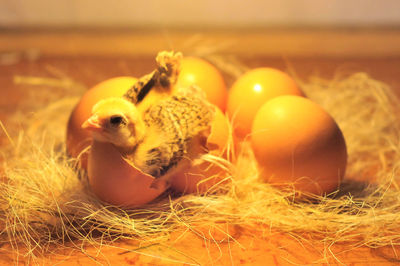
(117, 121)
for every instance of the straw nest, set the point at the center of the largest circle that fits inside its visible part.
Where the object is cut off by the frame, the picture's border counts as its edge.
(44, 205)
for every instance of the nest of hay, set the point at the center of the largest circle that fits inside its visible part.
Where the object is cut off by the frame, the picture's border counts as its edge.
(44, 205)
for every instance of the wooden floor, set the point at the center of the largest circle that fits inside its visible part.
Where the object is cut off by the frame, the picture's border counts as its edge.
(89, 57)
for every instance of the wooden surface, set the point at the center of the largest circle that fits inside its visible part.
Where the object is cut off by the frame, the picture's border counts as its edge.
(89, 58)
(251, 42)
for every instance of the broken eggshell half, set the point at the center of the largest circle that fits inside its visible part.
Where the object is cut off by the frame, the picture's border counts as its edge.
(202, 174)
(115, 181)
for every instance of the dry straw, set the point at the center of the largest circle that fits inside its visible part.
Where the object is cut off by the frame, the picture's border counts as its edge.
(45, 206)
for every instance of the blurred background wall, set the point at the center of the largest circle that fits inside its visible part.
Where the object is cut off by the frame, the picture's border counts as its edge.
(202, 13)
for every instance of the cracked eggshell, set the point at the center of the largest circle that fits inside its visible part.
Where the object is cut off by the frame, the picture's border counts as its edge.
(201, 175)
(116, 181)
(79, 139)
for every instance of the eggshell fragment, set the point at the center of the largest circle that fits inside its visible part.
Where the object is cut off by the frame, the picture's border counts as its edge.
(200, 176)
(79, 139)
(252, 90)
(298, 145)
(218, 140)
(117, 182)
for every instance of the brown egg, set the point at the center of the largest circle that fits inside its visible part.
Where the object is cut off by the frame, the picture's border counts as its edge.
(298, 145)
(196, 71)
(116, 181)
(200, 177)
(79, 139)
(252, 90)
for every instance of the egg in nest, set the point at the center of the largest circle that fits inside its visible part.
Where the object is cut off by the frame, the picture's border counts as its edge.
(298, 145)
(197, 71)
(252, 90)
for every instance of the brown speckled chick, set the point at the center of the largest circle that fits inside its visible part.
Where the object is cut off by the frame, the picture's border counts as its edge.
(159, 133)
(172, 126)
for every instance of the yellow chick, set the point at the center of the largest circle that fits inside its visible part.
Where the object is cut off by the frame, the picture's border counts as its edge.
(157, 140)
(117, 121)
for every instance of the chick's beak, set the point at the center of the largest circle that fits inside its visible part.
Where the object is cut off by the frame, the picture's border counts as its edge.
(92, 124)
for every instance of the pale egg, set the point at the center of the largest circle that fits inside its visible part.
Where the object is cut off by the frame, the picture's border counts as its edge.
(252, 90)
(79, 139)
(298, 145)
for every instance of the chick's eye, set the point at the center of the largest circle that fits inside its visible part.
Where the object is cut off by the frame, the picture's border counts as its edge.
(116, 120)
